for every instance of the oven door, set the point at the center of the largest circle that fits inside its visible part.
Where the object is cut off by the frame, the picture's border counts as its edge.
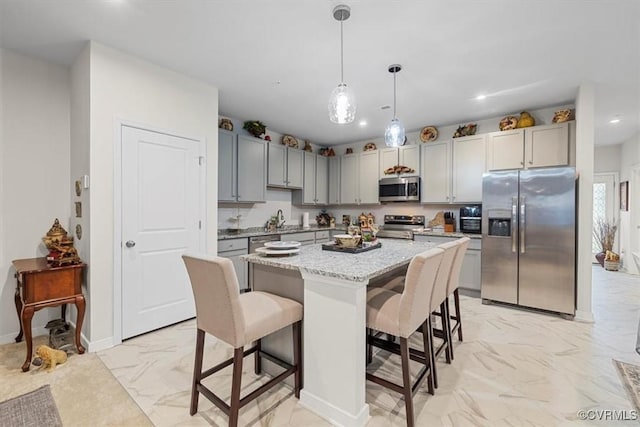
(399, 189)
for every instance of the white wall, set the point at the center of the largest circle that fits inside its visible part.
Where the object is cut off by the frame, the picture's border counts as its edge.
(127, 88)
(34, 168)
(628, 233)
(607, 159)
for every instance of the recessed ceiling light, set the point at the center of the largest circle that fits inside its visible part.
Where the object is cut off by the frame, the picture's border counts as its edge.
(481, 97)
(614, 121)
(362, 123)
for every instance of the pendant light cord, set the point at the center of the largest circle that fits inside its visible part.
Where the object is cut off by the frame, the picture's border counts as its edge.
(394, 95)
(341, 52)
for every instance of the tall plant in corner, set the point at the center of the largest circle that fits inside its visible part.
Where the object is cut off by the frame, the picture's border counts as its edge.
(604, 231)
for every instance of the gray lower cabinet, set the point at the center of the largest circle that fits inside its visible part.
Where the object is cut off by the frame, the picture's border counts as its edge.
(323, 236)
(233, 249)
(242, 168)
(305, 237)
(285, 166)
(470, 273)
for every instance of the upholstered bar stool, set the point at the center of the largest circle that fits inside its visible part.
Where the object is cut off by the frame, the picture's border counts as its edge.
(237, 319)
(400, 315)
(452, 288)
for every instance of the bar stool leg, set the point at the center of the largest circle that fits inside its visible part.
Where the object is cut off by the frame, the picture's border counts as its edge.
(257, 359)
(428, 353)
(445, 334)
(406, 381)
(197, 372)
(432, 353)
(234, 408)
(297, 359)
(456, 300)
(369, 347)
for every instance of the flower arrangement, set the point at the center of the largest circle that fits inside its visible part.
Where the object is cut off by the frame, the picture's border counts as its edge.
(604, 231)
(255, 127)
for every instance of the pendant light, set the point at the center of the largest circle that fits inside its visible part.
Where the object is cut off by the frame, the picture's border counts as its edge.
(342, 102)
(394, 133)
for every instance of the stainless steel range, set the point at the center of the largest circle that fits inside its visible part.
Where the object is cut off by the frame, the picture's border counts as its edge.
(400, 226)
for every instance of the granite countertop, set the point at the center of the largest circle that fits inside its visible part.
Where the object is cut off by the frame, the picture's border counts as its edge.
(360, 267)
(259, 231)
(443, 234)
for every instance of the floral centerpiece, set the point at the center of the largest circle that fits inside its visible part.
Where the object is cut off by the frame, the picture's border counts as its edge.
(255, 127)
(604, 231)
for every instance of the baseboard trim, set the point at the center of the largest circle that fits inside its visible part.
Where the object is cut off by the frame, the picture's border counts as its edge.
(329, 412)
(584, 317)
(99, 345)
(11, 337)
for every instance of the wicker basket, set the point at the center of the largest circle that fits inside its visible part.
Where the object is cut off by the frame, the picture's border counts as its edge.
(612, 265)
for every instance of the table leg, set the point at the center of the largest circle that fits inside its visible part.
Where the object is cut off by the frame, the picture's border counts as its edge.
(80, 304)
(63, 313)
(18, 302)
(27, 315)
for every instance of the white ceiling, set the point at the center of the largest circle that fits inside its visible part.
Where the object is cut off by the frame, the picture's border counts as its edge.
(277, 61)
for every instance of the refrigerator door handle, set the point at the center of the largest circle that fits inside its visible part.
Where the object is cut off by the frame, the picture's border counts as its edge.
(522, 224)
(514, 221)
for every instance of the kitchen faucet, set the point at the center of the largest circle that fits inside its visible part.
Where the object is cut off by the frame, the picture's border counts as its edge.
(279, 219)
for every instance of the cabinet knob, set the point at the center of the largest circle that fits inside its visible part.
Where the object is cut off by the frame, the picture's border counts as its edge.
(530, 162)
(522, 163)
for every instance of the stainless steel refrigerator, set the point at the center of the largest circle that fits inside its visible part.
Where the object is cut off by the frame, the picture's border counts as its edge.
(529, 238)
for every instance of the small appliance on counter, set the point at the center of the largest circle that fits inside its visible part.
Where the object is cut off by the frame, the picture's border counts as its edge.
(406, 189)
(471, 219)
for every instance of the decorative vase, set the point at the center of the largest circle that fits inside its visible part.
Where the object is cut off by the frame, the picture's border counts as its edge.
(600, 258)
(525, 120)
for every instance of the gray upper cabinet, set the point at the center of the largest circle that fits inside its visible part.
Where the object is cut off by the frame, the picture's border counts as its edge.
(359, 178)
(285, 166)
(316, 186)
(532, 147)
(252, 169)
(349, 179)
(242, 168)
(334, 180)
(407, 155)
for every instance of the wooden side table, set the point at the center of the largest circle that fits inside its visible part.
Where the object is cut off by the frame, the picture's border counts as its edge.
(39, 286)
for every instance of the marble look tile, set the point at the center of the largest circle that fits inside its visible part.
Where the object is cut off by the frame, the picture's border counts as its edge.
(515, 368)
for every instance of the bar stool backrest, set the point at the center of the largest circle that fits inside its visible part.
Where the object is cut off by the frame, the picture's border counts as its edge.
(454, 279)
(418, 285)
(216, 294)
(439, 292)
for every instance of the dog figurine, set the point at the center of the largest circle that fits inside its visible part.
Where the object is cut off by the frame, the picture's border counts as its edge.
(50, 356)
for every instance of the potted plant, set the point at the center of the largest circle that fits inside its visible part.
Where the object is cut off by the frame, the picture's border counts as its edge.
(255, 127)
(604, 231)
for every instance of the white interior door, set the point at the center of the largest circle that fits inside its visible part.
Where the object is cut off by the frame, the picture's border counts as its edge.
(604, 198)
(161, 204)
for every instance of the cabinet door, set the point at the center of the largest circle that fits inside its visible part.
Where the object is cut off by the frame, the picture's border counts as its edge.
(468, 167)
(309, 190)
(409, 155)
(505, 150)
(547, 145)
(368, 177)
(252, 169)
(388, 159)
(227, 163)
(471, 270)
(295, 167)
(334, 180)
(349, 179)
(436, 172)
(277, 166)
(322, 180)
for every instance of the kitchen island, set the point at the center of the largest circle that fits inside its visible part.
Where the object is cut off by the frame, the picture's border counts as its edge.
(332, 286)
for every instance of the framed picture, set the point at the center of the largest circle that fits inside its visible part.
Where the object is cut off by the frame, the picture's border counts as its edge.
(624, 196)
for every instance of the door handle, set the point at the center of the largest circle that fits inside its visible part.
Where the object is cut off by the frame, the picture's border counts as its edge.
(130, 243)
(514, 221)
(522, 224)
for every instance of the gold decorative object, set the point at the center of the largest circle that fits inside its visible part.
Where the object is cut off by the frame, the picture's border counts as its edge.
(369, 146)
(428, 134)
(307, 147)
(79, 231)
(398, 169)
(508, 123)
(563, 115)
(226, 124)
(61, 250)
(349, 150)
(78, 188)
(525, 120)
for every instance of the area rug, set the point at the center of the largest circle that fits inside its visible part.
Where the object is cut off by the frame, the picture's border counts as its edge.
(34, 409)
(630, 376)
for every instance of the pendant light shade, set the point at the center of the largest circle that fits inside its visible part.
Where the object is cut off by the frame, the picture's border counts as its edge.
(394, 133)
(342, 102)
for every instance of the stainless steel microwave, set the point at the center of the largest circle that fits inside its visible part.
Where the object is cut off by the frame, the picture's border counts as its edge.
(400, 189)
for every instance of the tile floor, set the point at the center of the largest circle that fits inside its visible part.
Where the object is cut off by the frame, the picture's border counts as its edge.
(515, 368)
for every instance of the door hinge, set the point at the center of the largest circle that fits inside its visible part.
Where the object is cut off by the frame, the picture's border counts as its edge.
(200, 160)
(199, 225)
